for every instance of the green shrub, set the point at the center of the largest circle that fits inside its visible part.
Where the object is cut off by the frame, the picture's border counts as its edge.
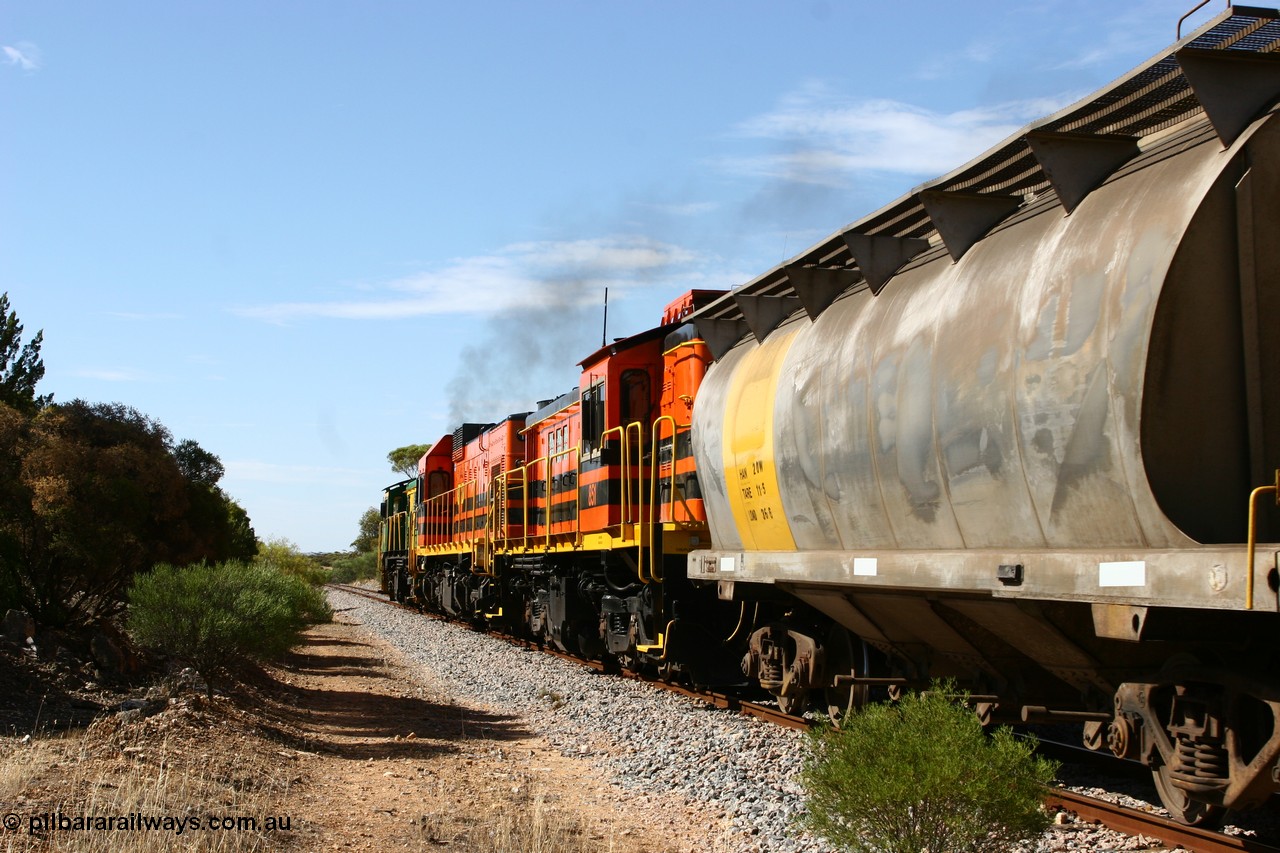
(353, 567)
(215, 616)
(922, 775)
(284, 556)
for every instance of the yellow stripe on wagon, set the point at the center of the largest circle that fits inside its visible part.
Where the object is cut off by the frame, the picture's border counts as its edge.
(752, 484)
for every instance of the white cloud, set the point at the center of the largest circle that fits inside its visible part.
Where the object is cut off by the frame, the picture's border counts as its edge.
(24, 55)
(519, 275)
(692, 208)
(829, 137)
(601, 256)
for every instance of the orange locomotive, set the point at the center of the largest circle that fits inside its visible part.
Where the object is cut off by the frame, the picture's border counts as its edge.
(571, 524)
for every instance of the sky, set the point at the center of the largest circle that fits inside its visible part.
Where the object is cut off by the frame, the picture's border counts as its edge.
(306, 233)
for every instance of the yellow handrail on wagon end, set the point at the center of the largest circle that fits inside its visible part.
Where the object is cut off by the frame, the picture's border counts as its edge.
(1253, 535)
(655, 505)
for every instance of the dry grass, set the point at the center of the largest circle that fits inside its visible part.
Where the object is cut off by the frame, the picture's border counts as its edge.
(19, 766)
(104, 772)
(524, 821)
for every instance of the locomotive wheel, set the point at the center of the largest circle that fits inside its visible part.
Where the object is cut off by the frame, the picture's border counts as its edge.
(1181, 807)
(845, 655)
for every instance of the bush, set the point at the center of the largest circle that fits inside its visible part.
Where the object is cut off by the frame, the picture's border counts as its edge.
(353, 567)
(284, 556)
(922, 775)
(216, 616)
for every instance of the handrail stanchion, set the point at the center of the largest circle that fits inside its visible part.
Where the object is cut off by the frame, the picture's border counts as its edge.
(1253, 535)
(622, 443)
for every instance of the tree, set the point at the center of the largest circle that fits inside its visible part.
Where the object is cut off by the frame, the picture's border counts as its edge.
(405, 459)
(367, 540)
(242, 543)
(15, 502)
(105, 500)
(219, 523)
(91, 495)
(198, 464)
(20, 365)
(922, 775)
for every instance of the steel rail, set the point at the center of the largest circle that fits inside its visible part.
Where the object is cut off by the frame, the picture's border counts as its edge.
(1135, 822)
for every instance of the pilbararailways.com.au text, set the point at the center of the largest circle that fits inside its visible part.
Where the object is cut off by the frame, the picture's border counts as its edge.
(139, 822)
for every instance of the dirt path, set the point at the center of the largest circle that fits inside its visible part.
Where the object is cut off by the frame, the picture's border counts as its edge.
(395, 763)
(342, 743)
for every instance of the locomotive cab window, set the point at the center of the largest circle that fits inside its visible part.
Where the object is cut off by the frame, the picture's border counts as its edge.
(592, 418)
(438, 482)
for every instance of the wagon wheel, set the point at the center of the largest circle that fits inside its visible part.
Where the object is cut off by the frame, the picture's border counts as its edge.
(1182, 807)
(845, 655)
(794, 705)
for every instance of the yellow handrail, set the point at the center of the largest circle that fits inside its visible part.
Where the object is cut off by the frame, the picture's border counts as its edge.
(626, 458)
(1253, 535)
(501, 487)
(576, 468)
(635, 494)
(395, 532)
(633, 489)
(655, 505)
(480, 535)
(529, 473)
(483, 554)
(524, 502)
(546, 497)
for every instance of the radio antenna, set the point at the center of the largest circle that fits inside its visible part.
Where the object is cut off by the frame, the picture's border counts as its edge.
(604, 329)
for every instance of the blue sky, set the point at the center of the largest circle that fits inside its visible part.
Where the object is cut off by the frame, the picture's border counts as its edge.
(304, 234)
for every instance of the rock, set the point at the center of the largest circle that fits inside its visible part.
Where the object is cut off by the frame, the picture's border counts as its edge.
(18, 627)
(136, 709)
(187, 679)
(113, 654)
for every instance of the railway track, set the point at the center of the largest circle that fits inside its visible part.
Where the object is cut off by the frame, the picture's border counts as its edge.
(1135, 822)
(1087, 809)
(718, 700)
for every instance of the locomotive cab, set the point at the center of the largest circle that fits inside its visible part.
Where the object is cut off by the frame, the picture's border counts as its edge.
(394, 537)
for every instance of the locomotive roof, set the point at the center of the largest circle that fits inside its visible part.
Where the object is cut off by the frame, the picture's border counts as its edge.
(565, 401)
(559, 404)
(623, 344)
(1225, 71)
